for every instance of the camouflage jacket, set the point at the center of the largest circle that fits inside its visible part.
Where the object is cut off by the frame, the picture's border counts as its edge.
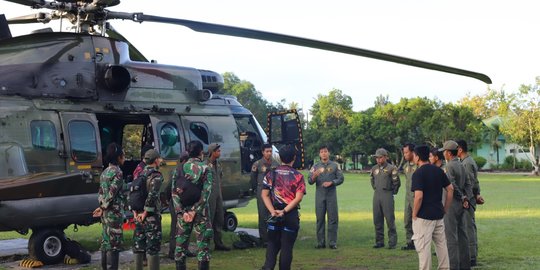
(259, 170)
(408, 170)
(111, 195)
(153, 185)
(194, 170)
(385, 177)
(330, 172)
(472, 171)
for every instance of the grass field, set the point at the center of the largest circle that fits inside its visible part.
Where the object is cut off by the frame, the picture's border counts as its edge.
(508, 225)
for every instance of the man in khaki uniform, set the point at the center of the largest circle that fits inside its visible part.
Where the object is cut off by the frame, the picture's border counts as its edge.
(258, 171)
(408, 168)
(455, 221)
(216, 199)
(385, 182)
(327, 176)
(472, 172)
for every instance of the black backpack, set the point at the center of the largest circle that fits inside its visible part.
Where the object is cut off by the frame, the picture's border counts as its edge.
(190, 192)
(138, 191)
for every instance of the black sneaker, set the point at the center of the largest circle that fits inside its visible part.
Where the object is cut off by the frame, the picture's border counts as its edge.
(409, 246)
(333, 247)
(378, 246)
(319, 246)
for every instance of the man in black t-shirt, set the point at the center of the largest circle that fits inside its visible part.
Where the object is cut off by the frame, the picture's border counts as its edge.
(428, 182)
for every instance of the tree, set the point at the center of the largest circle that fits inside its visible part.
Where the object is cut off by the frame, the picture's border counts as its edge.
(249, 97)
(522, 123)
(330, 116)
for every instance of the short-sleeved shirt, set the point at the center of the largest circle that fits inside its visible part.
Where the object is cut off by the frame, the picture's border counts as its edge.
(285, 184)
(431, 180)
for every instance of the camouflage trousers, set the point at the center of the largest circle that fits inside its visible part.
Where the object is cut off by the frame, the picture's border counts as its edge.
(147, 235)
(111, 221)
(203, 232)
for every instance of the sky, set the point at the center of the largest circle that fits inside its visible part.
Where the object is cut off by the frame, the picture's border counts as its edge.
(496, 38)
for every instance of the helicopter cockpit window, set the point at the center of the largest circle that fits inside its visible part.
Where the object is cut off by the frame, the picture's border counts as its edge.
(43, 135)
(247, 127)
(82, 137)
(169, 140)
(250, 140)
(199, 131)
(12, 161)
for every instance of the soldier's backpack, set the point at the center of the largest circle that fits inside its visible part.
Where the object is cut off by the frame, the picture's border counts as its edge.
(190, 193)
(138, 192)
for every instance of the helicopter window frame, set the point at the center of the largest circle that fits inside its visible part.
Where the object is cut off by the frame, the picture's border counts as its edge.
(196, 134)
(78, 139)
(41, 129)
(168, 151)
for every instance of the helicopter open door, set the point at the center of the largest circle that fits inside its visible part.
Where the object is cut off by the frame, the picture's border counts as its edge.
(82, 141)
(284, 127)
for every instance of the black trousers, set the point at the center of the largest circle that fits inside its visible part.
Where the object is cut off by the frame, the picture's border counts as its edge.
(281, 237)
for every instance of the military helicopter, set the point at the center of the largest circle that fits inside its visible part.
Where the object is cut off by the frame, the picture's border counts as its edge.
(64, 96)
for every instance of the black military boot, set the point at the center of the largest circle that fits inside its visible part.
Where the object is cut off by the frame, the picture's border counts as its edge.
(181, 264)
(204, 265)
(153, 262)
(139, 258)
(115, 256)
(104, 260)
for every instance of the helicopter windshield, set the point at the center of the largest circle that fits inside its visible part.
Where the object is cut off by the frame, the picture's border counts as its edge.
(12, 161)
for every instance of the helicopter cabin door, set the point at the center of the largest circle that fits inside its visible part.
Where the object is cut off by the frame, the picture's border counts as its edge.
(82, 144)
(284, 127)
(168, 137)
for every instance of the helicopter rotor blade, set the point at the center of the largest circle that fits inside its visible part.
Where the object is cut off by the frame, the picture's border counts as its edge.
(31, 18)
(293, 40)
(31, 3)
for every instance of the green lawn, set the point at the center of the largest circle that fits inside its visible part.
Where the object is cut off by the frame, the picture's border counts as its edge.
(507, 224)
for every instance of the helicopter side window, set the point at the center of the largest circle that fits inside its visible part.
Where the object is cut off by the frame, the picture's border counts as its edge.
(43, 135)
(169, 140)
(199, 131)
(83, 141)
(12, 161)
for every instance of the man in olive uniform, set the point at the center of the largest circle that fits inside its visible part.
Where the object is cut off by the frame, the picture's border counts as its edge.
(327, 176)
(472, 171)
(455, 221)
(385, 182)
(258, 171)
(408, 168)
(194, 216)
(216, 199)
(147, 234)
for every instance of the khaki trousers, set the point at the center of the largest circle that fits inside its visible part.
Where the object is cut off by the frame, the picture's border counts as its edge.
(426, 231)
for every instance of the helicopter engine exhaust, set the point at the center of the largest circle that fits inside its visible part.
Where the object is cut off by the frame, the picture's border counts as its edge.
(205, 95)
(117, 78)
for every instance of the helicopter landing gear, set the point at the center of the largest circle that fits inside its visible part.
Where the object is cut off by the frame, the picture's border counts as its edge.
(230, 222)
(47, 245)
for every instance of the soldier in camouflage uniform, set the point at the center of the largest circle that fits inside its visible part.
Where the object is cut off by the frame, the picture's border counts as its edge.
(385, 182)
(215, 201)
(147, 234)
(408, 168)
(455, 221)
(112, 201)
(258, 171)
(472, 172)
(195, 216)
(327, 176)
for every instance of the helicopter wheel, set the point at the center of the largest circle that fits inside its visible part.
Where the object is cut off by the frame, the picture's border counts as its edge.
(47, 245)
(231, 222)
